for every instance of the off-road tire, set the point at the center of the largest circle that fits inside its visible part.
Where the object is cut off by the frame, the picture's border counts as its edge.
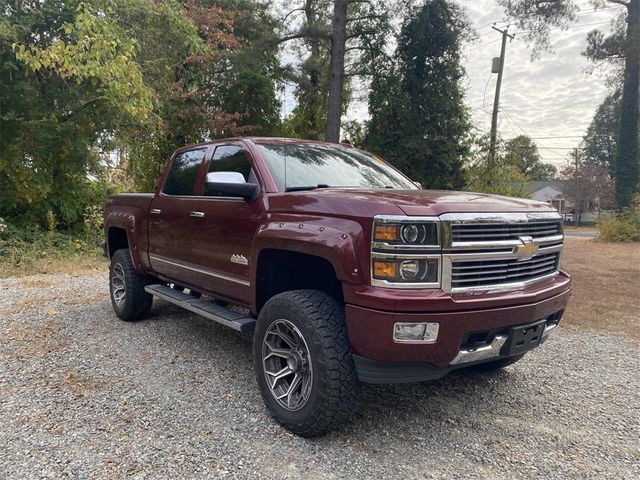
(497, 364)
(334, 385)
(136, 303)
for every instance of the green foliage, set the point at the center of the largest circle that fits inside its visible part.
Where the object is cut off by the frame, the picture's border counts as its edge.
(23, 247)
(94, 49)
(600, 141)
(521, 152)
(418, 118)
(625, 227)
(503, 178)
(250, 84)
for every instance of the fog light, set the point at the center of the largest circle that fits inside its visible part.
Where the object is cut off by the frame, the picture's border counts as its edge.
(416, 332)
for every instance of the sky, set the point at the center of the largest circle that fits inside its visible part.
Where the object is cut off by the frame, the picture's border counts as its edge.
(550, 97)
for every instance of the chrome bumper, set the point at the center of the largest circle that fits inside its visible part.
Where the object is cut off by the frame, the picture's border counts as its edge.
(493, 349)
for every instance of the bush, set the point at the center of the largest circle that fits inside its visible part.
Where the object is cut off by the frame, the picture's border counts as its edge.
(625, 227)
(28, 249)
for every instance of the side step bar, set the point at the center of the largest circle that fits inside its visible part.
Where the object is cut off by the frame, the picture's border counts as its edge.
(206, 308)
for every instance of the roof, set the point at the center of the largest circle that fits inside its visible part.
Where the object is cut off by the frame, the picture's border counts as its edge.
(265, 140)
(532, 187)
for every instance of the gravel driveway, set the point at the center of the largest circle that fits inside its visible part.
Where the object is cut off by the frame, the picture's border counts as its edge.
(85, 395)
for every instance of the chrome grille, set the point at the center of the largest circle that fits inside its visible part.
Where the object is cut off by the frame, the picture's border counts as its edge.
(488, 232)
(480, 273)
(483, 252)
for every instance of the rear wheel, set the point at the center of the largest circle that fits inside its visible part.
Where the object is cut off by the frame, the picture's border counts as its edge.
(303, 362)
(128, 297)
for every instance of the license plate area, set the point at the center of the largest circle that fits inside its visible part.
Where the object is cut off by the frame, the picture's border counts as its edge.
(524, 338)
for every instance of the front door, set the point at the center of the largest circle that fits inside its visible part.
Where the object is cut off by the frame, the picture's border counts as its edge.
(221, 237)
(170, 218)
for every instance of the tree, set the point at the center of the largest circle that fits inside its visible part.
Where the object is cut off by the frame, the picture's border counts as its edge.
(250, 81)
(522, 153)
(537, 17)
(594, 184)
(183, 52)
(418, 118)
(78, 79)
(68, 73)
(599, 143)
(353, 33)
(500, 178)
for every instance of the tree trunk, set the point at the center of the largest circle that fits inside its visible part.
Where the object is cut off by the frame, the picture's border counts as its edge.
(628, 151)
(336, 71)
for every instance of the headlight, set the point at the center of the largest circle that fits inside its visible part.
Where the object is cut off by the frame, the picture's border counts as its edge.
(411, 234)
(400, 270)
(406, 252)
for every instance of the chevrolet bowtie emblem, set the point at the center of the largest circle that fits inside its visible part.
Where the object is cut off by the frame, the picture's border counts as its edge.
(527, 250)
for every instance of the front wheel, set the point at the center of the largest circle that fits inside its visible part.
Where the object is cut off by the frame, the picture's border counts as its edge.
(303, 362)
(129, 299)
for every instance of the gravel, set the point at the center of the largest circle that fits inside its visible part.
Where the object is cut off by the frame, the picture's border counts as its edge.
(84, 395)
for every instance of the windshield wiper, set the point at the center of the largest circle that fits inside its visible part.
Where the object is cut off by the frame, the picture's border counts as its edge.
(307, 187)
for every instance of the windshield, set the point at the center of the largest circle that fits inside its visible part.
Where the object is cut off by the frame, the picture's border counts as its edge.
(307, 166)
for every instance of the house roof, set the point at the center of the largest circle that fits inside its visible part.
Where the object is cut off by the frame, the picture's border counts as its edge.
(532, 187)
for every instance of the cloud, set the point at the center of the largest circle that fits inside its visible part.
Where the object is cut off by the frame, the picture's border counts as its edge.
(551, 97)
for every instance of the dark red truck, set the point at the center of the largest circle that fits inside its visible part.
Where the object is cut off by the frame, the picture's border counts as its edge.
(343, 268)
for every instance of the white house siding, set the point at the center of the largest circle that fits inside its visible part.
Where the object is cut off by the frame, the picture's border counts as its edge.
(546, 194)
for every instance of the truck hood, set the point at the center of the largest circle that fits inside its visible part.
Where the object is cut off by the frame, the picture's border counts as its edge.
(410, 202)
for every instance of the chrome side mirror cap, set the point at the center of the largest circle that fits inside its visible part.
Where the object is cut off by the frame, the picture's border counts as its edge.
(225, 177)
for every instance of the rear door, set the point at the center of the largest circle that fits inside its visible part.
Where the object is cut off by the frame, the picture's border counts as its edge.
(221, 237)
(170, 217)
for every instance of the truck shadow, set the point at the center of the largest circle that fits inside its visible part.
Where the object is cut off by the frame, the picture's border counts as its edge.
(447, 401)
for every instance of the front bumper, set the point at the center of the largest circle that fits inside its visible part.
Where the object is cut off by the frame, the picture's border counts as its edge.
(379, 359)
(374, 371)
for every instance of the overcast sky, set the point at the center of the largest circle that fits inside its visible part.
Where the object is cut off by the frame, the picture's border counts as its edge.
(550, 97)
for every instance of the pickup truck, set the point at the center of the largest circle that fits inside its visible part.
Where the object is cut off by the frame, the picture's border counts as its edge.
(342, 269)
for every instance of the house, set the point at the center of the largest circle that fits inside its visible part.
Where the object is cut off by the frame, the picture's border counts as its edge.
(560, 195)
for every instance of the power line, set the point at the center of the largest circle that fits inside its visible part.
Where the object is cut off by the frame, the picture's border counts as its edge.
(568, 28)
(544, 147)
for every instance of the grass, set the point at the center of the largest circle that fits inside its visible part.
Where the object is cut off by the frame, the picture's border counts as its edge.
(28, 251)
(75, 264)
(606, 285)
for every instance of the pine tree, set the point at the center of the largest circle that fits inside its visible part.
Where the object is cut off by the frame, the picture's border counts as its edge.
(418, 118)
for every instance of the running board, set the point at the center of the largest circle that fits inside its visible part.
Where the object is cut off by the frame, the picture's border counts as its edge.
(229, 318)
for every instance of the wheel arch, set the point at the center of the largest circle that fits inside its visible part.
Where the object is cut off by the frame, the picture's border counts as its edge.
(280, 270)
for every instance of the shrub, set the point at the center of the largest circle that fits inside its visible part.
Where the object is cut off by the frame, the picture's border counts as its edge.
(625, 227)
(27, 249)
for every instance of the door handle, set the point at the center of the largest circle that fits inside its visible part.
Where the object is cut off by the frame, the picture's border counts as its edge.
(196, 214)
(155, 211)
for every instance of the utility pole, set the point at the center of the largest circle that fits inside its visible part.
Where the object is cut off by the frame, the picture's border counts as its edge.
(496, 101)
(577, 207)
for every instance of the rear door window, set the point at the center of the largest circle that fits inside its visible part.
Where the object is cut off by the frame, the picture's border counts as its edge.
(183, 173)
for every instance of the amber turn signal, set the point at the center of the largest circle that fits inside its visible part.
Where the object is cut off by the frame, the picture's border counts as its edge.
(386, 233)
(385, 270)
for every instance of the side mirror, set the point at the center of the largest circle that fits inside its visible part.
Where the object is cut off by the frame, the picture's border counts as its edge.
(230, 184)
(418, 184)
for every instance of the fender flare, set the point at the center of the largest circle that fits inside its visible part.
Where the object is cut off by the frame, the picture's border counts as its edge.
(131, 224)
(329, 238)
